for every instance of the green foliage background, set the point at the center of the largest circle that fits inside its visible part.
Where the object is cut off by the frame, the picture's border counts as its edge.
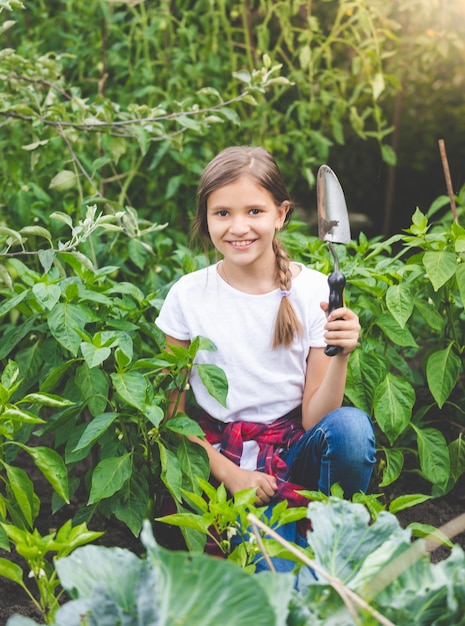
(109, 111)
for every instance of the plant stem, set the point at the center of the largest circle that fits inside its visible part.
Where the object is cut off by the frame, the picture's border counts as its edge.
(346, 594)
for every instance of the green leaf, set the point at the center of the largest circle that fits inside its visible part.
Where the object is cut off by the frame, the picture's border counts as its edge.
(419, 223)
(95, 429)
(66, 322)
(12, 571)
(94, 388)
(94, 356)
(131, 504)
(430, 314)
(15, 413)
(193, 459)
(460, 275)
(393, 404)
(434, 455)
(400, 303)
(9, 232)
(164, 589)
(22, 489)
(442, 372)
(171, 473)
(11, 303)
(196, 502)
(201, 523)
(131, 387)
(14, 334)
(109, 477)
(64, 180)
(52, 467)
(46, 399)
(342, 537)
(440, 266)
(154, 414)
(95, 566)
(189, 122)
(394, 465)
(407, 501)
(433, 533)
(400, 336)
(69, 537)
(206, 344)
(214, 379)
(185, 426)
(378, 85)
(55, 376)
(228, 595)
(37, 231)
(365, 372)
(388, 154)
(457, 458)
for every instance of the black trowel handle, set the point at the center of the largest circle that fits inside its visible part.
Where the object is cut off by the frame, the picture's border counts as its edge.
(336, 282)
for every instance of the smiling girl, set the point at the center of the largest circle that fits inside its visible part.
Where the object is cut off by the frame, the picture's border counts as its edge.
(284, 428)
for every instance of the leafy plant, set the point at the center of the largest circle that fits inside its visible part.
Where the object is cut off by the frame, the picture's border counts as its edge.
(35, 550)
(225, 522)
(161, 589)
(381, 575)
(378, 562)
(92, 337)
(408, 372)
(18, 501)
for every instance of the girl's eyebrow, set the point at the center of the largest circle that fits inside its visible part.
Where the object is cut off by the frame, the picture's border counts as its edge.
(223, 207)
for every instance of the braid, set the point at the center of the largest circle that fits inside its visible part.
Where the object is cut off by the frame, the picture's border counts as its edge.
(287, 322)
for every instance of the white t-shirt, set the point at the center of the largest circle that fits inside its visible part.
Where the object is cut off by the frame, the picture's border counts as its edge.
(264, 383)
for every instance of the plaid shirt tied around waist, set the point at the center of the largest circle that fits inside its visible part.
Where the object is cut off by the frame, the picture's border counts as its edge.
(272, 440)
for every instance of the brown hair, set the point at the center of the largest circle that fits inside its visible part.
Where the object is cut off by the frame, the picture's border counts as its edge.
(257, 163)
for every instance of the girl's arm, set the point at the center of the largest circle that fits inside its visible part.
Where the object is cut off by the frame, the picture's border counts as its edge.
(326, 376)
(225, 471)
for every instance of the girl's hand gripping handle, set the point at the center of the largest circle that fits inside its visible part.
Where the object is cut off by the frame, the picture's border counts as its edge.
(336, 282)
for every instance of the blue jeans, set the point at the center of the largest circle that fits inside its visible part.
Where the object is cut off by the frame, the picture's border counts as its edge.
(339, 449)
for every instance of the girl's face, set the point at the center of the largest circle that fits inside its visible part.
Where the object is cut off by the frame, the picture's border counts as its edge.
(242, 218)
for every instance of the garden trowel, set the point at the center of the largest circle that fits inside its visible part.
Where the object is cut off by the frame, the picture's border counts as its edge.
(333, 227)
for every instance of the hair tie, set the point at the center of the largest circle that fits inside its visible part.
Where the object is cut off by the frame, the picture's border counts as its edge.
(285, 293)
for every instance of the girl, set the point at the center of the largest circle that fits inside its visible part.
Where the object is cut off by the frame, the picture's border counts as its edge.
(283, 428)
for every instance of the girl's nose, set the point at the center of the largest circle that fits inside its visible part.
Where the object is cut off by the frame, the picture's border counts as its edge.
(239, 225)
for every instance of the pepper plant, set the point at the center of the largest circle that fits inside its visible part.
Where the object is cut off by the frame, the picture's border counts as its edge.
(18, 501)
(408, 372)
(36, 550)
(81, 333)
(362, 573)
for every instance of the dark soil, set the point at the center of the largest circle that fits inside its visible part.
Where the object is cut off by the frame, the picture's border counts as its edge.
(13, 599)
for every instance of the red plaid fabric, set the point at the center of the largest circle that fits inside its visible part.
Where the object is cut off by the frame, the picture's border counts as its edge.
(272, 440)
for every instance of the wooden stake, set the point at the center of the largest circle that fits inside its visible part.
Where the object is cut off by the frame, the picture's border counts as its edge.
(450, 191)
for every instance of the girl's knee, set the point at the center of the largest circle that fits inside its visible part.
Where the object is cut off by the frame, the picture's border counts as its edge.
(351, 429)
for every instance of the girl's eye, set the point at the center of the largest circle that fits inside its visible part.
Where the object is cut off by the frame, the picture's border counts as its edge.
(255, 211)
(222, 213)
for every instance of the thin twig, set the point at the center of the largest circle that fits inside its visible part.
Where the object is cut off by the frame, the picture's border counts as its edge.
(45, 83)
(261, 545)
(346, 594)
(450, 191)
(418, 550)
(97, 125)
(450, 529)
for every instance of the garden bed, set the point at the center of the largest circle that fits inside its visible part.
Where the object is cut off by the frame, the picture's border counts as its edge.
(435, 512)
